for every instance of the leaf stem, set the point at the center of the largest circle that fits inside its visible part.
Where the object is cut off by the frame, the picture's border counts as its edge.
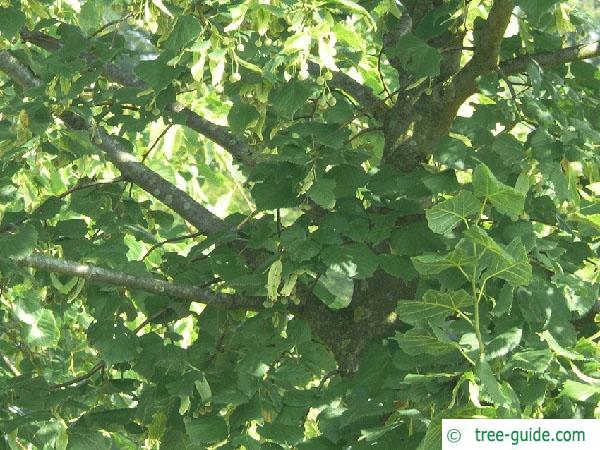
(476, 321)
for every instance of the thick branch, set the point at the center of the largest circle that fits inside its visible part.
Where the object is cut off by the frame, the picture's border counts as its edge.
(123, 75)
(550, 59)
(486, 53)
(97, 274)
(154, 184)
(362, 94)
(117, 153)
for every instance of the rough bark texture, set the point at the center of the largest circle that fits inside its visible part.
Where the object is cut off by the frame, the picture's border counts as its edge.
(370, 315)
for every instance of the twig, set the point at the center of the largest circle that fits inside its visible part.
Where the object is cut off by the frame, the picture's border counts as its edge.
(77, 187)
(157, 286)
(110, 24)
(513, 94)
(80, 186)
(327, 377)
(168, 241)
(150, 319)
(385, 88)
(247, 219)
(154, 144)
(361, 132)
(100, 366)
(10, 365)
(156, 141)
(457, 49)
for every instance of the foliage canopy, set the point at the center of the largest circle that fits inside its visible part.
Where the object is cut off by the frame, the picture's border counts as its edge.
(276, 224)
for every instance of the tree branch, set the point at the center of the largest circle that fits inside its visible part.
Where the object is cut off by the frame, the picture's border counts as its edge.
(102, 275)
(485, 57)
(240, 151)
(98, 367)
(362, 94)
(173, 197)
(116, 152)
(550, 59)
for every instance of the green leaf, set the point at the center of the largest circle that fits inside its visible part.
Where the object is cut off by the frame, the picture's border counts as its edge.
(580, 392)
(434, 306)
(397, 266)
(535, 9)
(157, 74)
(432, 264)
(353, 7)
(504, 302)
(19, 244)
(481, 238)
(509, 148)
(290, 97)
(417, 56)
(284, 434)
(241, 116)
(356, 260)
(114, 342)
(490, 385)
(503, 343)
(500, 262)
(505, 199)
(12, 20)
(581, 296)
(346, 34)
(433, 436)
(444, 181)
(557, 348)
(274, 280)
(335, 288)
(444, 216)
(186, 29)
(419, 341)
(322, 193)
(43, 329)
(533, 361)
(81, 438)
(517, 271)
(207, 429)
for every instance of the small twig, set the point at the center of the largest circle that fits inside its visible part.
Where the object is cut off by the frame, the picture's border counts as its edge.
(110, 24)
(457, 49)
(327, 377)
(156, 141)
(349, 98)
(361, 132)
(278, 220)
(120, 105)
(10, 365)
(152, 146)
(98, 367)
(150, 319)
(512, 91)
(385, 88)
(78, 186)
(509, 83)
(170, 240)
(324, 380)
(247, 219)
